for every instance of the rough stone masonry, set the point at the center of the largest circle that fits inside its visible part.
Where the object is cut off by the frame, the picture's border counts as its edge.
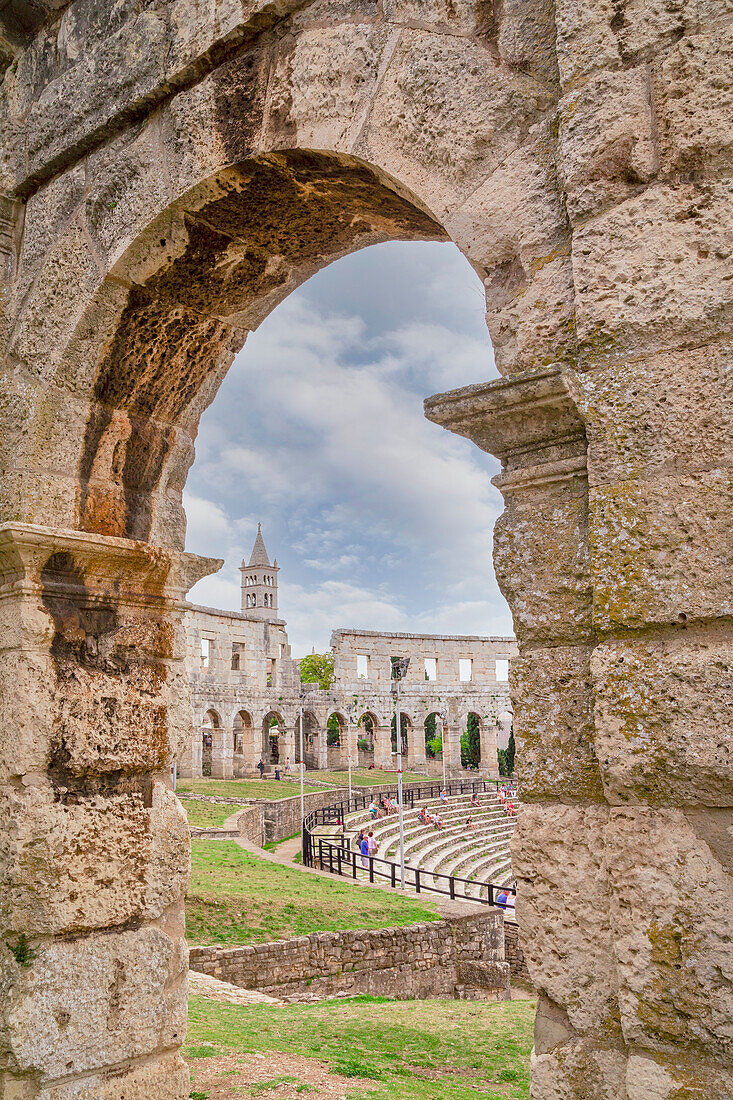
(169, 171)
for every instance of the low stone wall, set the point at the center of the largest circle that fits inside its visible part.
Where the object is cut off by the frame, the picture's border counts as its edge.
(515, 955)
(461, 957)
(251, 824)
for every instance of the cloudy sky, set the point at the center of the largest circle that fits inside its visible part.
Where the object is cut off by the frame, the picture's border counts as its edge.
(378, 518)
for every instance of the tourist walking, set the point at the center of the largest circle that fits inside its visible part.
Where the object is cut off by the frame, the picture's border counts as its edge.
(261, 768)
(364, 847)
(287, 765)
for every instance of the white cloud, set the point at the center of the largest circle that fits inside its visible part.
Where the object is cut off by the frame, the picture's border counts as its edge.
(319, 431)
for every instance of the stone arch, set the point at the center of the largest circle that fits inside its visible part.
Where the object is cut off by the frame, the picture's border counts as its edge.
(210, 725)
(541, 157)
(273, 738)
(243, 743)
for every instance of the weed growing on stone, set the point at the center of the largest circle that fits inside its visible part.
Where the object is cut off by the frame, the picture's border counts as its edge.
(22, 951)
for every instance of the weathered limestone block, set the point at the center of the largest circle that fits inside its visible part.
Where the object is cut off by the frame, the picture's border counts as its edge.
(517, 211)
(606, 148)
(558, 855)
(127, 186)
(165, 1078)
(578, 1071)
(530, 313)
(63, 287)
(47, 214)
(216, 122)
(656, 1077)
(93, 1002)
(694, 101)
(138, 64)
(661, 550)
(89, 861)
(655, 270)
(541, 563)
(672, 926)
(656, 415)
(585, 40)
(414, 133)
(593, 35)
(664, 710)
(521, 35)
(552, 696)
(323, 83)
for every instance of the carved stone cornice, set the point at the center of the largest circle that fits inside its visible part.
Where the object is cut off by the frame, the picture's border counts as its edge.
(529, 421)
(125, 569)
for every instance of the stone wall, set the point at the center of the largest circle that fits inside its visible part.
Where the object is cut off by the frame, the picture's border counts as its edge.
(515, 954)
(461, 957)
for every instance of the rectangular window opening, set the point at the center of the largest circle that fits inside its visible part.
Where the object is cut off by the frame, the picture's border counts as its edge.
(206, 653)
(464, 669)
(502, 671)
(362, 666)
(431, 668)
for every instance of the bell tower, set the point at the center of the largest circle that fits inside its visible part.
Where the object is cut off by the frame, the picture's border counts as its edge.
(259, 582)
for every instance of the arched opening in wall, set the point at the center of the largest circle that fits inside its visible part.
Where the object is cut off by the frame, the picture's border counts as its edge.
(203, 276)
(336, 740)
(273, 739)
(243, 747)
(211, 722)
(433, 728)
(471, 742)
(366, 731)
(406, 727)
(312, 738)
(505, 742)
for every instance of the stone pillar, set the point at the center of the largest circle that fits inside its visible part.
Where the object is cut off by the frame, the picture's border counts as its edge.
(288, 744)
(323, 748)
(452, 730)
(489, 765)
(222, 753)
(95, 859)
(416, 755)
(559, 852)
(383, 746)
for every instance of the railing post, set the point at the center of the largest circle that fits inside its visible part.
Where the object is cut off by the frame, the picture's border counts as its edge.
(393, 870)
(452, 886)
(338, 861)
(371, 868)
(320, 854)
(330, 858)
(490, 892)
(354, 862)
(417, 880)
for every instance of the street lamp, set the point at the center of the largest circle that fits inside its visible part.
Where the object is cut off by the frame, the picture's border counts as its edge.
(349, 717)
(400, 666)
(302, 779)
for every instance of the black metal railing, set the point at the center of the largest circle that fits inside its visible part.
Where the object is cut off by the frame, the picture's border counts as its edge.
(339, 858)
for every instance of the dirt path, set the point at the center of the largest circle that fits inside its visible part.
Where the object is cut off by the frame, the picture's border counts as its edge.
(276, 1076)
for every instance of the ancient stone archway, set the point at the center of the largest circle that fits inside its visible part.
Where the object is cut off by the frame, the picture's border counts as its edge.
(166, 178)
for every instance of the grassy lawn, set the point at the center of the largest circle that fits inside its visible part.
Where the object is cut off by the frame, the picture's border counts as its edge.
(270, 789)
(363, 777)
(390, 1050)
(208, 815)
(236, 898)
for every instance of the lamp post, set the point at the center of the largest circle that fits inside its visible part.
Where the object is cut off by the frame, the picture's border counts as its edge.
(302, 778)
(400, 666)
(349, 717)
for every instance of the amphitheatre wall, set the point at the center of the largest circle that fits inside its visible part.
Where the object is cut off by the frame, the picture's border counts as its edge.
(169, 172)
(459, 957)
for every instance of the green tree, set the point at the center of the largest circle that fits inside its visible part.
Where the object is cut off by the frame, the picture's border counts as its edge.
(333, 730)
(510, 750)
(317, 668)
(471, 743)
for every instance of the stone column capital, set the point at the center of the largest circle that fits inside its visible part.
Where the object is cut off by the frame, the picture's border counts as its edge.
(529, 421)
(64, 560)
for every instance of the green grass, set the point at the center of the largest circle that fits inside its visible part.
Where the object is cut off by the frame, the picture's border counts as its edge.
(270, 789)
(363, 777)
(435, 1050)
(236, 898)
(208, 815)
